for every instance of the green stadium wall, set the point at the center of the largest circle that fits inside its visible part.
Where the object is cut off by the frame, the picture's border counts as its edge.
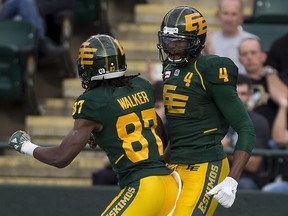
(23, 200)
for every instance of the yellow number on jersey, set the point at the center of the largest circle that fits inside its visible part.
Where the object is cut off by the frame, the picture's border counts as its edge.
(148, 117)
(223, 74)
(77, 107)
(187, 79)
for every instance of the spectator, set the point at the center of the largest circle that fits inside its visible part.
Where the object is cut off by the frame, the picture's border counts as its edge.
(280, 136)
(279, 129)
(268, 98)
(28, 10)
(277, 57)
(267, 87)
(154, 72)
(254, 175)
(226, 41)
(105, 175)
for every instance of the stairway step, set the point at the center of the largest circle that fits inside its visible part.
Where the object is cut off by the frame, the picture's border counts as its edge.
(143, 32)
(72, 88)
(150, 13)
(48, 127)
(58, 106)
(24, 166)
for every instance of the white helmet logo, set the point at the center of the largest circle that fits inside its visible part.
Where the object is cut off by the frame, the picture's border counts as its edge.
(101, 71)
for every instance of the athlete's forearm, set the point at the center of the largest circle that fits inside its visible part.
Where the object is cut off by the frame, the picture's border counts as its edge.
(240, 160)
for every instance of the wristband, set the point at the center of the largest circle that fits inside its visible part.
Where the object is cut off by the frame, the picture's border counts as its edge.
(28, 148)
(269, 70)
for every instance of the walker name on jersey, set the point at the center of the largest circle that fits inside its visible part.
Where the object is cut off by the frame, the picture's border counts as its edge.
(213, 175)
(125, 198)
(133, 100)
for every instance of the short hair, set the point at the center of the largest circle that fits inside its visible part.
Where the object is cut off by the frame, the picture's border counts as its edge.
(257, 39)
(244, 79)
(240, 1)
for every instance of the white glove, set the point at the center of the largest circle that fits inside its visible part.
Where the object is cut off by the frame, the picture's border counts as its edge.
(20, 141)
(225, 192)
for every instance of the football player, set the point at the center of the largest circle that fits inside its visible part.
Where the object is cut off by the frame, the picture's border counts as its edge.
(201, 102)
(119, 112)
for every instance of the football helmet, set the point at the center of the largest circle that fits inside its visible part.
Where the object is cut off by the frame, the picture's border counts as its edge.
(182, 35)
(100, 57)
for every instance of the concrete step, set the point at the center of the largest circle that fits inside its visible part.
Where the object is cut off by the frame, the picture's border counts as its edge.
(154, 13)
(58, 106)
(143, 32)
(48, 129)
(26, 167)
(150, 13)
(144, 50)
(72, 88)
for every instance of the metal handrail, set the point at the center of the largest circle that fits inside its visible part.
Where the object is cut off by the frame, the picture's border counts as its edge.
(270, 153)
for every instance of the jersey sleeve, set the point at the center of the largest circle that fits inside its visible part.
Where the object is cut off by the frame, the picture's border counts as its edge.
(236, 114)
(86, 108)
(220, 75)
(218, 70)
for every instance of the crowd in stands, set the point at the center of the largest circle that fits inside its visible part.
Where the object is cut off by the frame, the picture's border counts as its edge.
(225, 41)
(29, 10)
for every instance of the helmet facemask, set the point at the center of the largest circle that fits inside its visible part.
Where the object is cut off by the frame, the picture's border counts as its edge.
(179, 49)
(85, 76)
(182, 35)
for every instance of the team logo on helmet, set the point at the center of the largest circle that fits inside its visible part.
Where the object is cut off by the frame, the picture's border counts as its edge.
(181, 25)
(196, 22)
(100, 57)
(86, 54)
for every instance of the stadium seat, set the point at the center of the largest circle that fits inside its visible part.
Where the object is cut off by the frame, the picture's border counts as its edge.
(267, 33)
(18, 57)
(270, 11)
(86, 11)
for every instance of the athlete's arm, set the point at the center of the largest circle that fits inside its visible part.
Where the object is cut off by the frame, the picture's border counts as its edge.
(160, 130)
(226, 99)
(228, 102)
(167, 154)
(62, 155)
(58, 156)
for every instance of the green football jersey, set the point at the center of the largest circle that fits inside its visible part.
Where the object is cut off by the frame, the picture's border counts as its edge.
(198, 99)
(129, 122)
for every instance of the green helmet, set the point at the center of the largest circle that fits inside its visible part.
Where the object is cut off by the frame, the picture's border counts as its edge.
(100, 57)
(182, 23)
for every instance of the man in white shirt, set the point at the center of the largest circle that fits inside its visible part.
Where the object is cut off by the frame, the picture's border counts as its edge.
(225, 42)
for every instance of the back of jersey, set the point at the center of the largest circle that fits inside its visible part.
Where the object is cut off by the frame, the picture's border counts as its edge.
(129, 121)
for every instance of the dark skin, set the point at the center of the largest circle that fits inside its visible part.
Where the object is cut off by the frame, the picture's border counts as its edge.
(73, 143)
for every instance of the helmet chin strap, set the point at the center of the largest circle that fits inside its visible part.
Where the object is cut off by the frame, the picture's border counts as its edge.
(178, 62)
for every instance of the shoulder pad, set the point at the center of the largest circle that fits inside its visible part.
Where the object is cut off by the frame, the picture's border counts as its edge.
(141, 81)
(217, 70)
(85, 107)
